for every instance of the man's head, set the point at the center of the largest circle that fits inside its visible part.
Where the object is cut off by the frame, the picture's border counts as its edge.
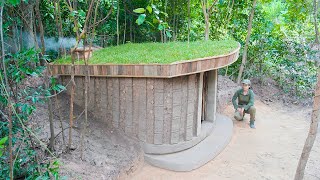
(246, 84)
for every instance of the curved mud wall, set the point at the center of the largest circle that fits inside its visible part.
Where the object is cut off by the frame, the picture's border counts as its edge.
(155, 111)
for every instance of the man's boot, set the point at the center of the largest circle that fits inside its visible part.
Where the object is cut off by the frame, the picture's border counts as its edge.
(252, 124)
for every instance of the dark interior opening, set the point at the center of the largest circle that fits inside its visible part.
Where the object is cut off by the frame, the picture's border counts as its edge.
(204, 95)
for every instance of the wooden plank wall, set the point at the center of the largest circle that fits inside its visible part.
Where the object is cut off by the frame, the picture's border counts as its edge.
(155, 111)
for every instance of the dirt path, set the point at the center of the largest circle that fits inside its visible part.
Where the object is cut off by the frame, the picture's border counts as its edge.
(269, 152)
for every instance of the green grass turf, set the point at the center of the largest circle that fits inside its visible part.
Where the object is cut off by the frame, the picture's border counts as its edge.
(161, 53)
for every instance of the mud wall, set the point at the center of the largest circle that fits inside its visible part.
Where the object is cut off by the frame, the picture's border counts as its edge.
(153, 110)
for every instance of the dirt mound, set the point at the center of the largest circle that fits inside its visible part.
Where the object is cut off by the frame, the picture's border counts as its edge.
(269, 92)
(107, 153)
(226, 89)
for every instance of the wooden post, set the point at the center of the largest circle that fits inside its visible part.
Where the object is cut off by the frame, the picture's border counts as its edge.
(315, 16)
(211, 107)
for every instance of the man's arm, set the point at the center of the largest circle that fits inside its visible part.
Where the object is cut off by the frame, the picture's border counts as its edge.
(251, 101)
(234, 98)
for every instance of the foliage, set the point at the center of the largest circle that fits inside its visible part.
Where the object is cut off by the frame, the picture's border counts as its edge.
(22, 66)
(153, 17)
(281, 47)
(2, 142)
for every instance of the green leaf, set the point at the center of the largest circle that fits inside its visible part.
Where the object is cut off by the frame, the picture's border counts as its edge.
(82, 13)
(58, 87)
(139, 10)
(155, 21)
(141, 19)
(56, 175)
(168, 34)
(150, 24)
(154, 6)
(160, 27)
(1, 153)
(73, 13)
(61, 87)
(3, 140)
(56, 163)
(13, 2)
(75, 29)
(53, 80)
(156, 11)
(43, 177)
(165, 25)
(33, 99)
(149, 8)
(165, 14)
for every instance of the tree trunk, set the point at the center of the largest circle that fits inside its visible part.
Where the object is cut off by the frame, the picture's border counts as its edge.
(312, 133)
(10, 139)
(165, 20)
(14, 30)
(57, 106)
(177, 26)
(245, 51)
(50, 113)
(86, 102)
(118, 33)
(21, 38)
(125, 27)
(174, 20)
(315, 16)
(34, 35)
(37, 11)
(207, 30)
(229, 14)
(189, 21)
(131, 34)
(9, 99)
(87, 77)
(27, 9)
(71, 103)
(73, 84)
(47, 80)
(86, 87)
(206, 15)
(58, 20)
(75, 7)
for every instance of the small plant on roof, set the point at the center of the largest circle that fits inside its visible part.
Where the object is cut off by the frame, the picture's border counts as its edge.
(153, 17)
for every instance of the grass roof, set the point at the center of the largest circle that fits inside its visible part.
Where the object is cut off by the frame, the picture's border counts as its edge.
(161, 53)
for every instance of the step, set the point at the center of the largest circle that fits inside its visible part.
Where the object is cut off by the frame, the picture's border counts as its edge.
(199, 154)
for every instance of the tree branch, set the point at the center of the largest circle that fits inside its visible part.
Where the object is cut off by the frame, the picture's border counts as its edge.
(211, 8)
(105, 18)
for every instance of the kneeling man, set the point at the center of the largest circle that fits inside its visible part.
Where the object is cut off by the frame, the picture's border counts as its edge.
(245, 103)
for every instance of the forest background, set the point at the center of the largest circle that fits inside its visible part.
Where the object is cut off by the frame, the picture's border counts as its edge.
(279, 40)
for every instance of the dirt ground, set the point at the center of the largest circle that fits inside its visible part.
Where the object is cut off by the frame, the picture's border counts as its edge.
(271, 151)
(107, 153)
